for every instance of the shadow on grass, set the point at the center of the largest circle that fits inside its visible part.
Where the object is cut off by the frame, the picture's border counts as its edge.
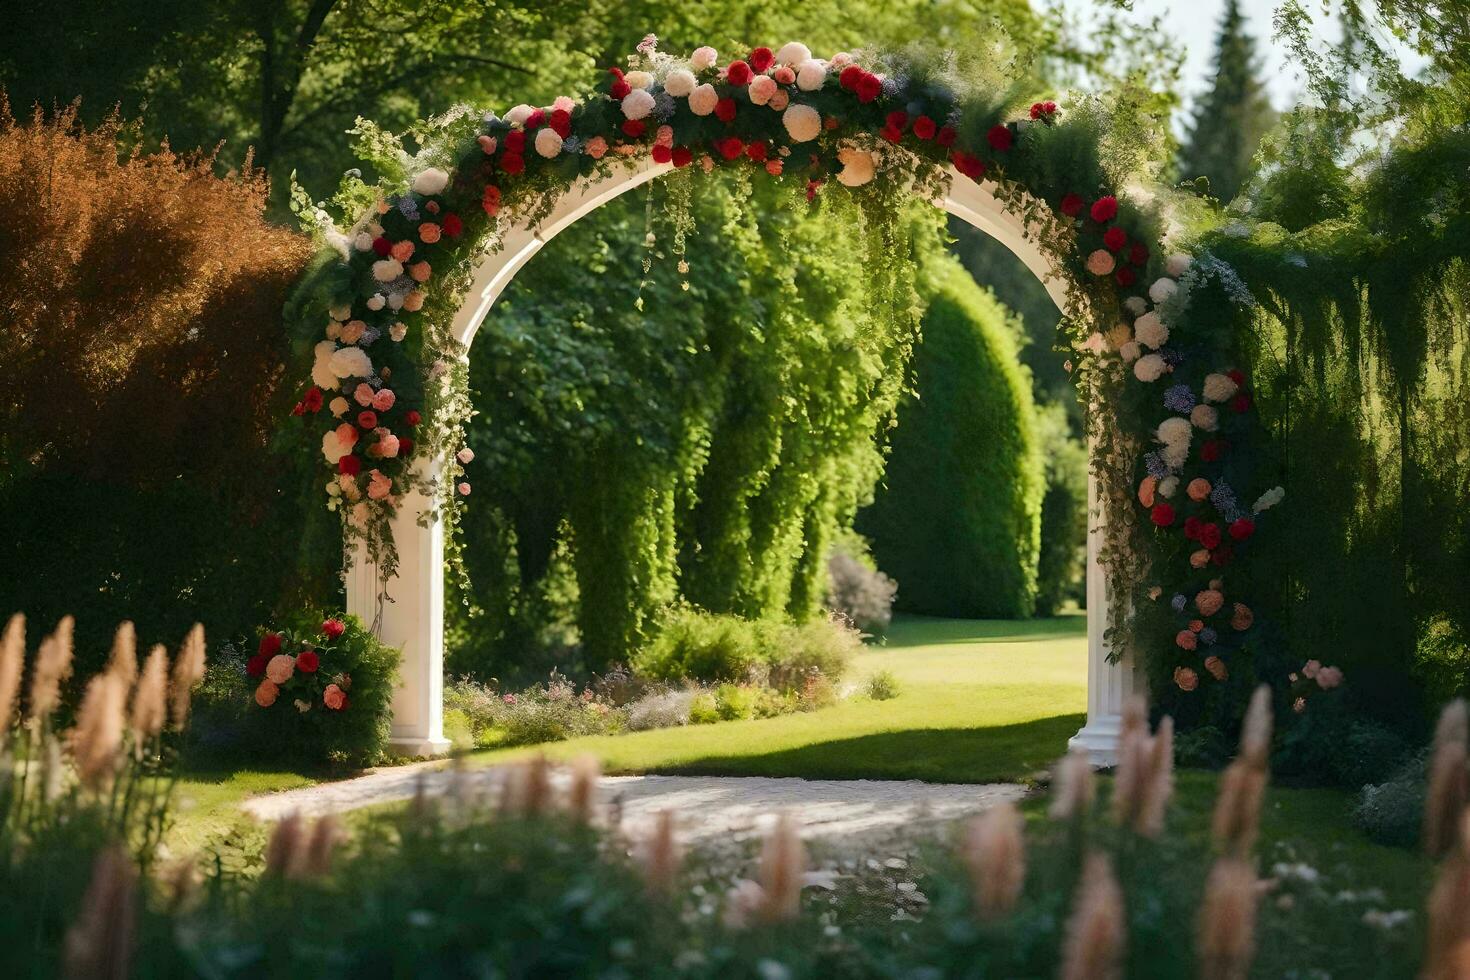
(936, 755)
(918, 631)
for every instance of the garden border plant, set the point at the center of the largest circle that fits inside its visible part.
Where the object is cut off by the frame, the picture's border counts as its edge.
(1171, 419)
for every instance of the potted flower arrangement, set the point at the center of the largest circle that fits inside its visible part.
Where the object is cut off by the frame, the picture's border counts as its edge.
(322, 688)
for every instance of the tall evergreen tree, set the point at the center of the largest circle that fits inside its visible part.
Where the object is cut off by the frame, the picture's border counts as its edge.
(1231, 118)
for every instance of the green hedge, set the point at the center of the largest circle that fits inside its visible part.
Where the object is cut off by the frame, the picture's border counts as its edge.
(957, 519)
(697, 645)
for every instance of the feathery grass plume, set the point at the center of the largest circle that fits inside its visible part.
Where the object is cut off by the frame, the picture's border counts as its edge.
(180, 885)
(1073, 786)
(53, 773)
(285, 852)
(660, 856)
(1449, 787)
(150, 699)
(96, 740)
(325, 836)
(99, 944)
(12, 664)
(994, 853)
(582, 791)
(1158, 788)
(124, 658)
(1096, 931)
(782, 867)
(1448, 913)
(1133, 755)
(53, 667)
(1225, 933)
(1237, 816)
(1255, 731)
(188, 672)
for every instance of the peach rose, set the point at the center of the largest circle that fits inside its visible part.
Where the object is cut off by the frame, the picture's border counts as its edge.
(664, 136)
(384, 399)
(1155, 591)
(1186, 679)
(1199, 559)
(1209, 602)
(334, 697)
(388, 447)
(1101, 263)
(351, 331)
(779, 101)
(1198, 489)
(379, 485)
(1242, 618)
(1217, 668)
(280, 668)
(1186, 640)
(773, 167)
(339, 406)
(596, 147)
(402, 250)
(414, 301)
(266, 693)
(420, 271)
(1146, 490)
(428, 232)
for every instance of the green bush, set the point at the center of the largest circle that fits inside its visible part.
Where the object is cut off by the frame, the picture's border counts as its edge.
(1392, 812)
(1442, 661)
(1059, 568)
(957, 519)
(701, 646)
(304, 694)
(882, 686)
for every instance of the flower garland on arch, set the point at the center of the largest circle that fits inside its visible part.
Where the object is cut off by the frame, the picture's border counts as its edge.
(383, 393)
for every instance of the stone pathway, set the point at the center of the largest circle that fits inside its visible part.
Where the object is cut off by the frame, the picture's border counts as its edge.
(846, 814)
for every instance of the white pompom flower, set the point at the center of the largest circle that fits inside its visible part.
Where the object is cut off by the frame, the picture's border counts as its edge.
(1269, 499)
(321, 365)
(548, 142)
(637, 104)
(363, 242)
(703, 99)
(1150, 331)
(1175, 435)
(376, 302)
(351, 362)
(762, 87)
(430, 182)
(342, 311)
(1178, 264)
(386, 270)
(680, 83)
(518, 115)
(793, 53)
(332, 447)
(1148, 368)
(1204, 417)
(858, 166)
(1136, 305)
(802, 122)
(811, 75)
(1219, 388)
(1130, 351)
(704, 58)
(1163, 290)
(639, 79)
(1168, 486)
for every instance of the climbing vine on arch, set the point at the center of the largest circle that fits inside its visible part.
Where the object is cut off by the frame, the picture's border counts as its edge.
(1170, 416)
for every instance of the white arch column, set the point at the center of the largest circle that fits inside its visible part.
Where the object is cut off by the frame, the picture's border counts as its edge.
(409, 612)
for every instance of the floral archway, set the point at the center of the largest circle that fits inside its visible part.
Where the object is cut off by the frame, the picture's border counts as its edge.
(1170, 425)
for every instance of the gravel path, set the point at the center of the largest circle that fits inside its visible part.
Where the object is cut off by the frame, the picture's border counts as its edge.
(857, 814)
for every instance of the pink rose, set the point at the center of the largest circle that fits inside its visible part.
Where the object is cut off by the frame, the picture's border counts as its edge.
(1186, 679)
(266, 693)
(785, 75)
(347, 434)
(334, 697)
(596, 147)
(464, 489)
(388, 447)
(664, 136)
(383, 399)
(351, 331)
(488, 144)
(1329, 677)
(428, 233)
(1146, 490)
(363, 394)
(1243, 617)
(1186, 640)
(1310, 668)
(1209, 602)
(280, 668)
(1101, 262)
(379, 485)
(779, 101)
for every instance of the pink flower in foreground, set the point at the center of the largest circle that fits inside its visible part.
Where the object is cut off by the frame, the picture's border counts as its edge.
(363, 394)
(334, 697)
(428, 232)
(266, 693)
(1185, 678)
(383, 399)
(280, 668)
(464, 489)
(596, 147)
(1329, 677)
(379, 485)
(1310, 668)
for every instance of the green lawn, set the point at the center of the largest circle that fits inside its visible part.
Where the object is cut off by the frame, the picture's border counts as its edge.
(979, 701)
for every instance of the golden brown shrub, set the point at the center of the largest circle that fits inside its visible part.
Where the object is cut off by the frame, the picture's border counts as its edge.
(140, 310)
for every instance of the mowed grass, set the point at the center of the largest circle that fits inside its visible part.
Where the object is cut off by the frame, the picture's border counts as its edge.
(979, 701)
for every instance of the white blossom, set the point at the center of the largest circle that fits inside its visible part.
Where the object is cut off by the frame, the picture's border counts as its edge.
(802, 122)
(1177, 264)
(430, 182)
(1150, 367)
(811, 75)
(351, 362)
(637, 104)
(793, 53)
(1162, 290)
(1205, 417)
(1219, 388)
(680, 83)
(1269, 499)
(1150, 331)
(548, 142)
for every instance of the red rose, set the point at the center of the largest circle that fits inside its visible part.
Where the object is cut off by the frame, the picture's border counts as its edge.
(255, 666)
(924, 128)
(1209, 535)
(890, 134)
(1138, 254)
(729, 147)
(333, 628)
(757, 151)
(682, 155)
(946, 136)
(850, 77)
(413, 417)
(512, 163)
(1115, 238)
(270, 645)
(515, 141)
(1212, 450)
(1191, 528)
(313, 400)
(869, 87)
(350, 465)
(738, 73)
(761, 59)
(405, 446)
(491, 200)
(1000, 138)
(1162, 515)
(615, 72)
(1105, 209)
(1072, 205)
(812, 186)
(381, 247)
(1236, 375)
(561, 123)
(897, 119)
(971, 166)
(536, 118)
(308, 660)
(1242, 528)
(452, 225)
(633, 128)
(1241, 403)
(367, 420)
(1036, 110)
(725, 110)
(1125, 276)
(662, 154)
(298, 409)
(619, 89)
